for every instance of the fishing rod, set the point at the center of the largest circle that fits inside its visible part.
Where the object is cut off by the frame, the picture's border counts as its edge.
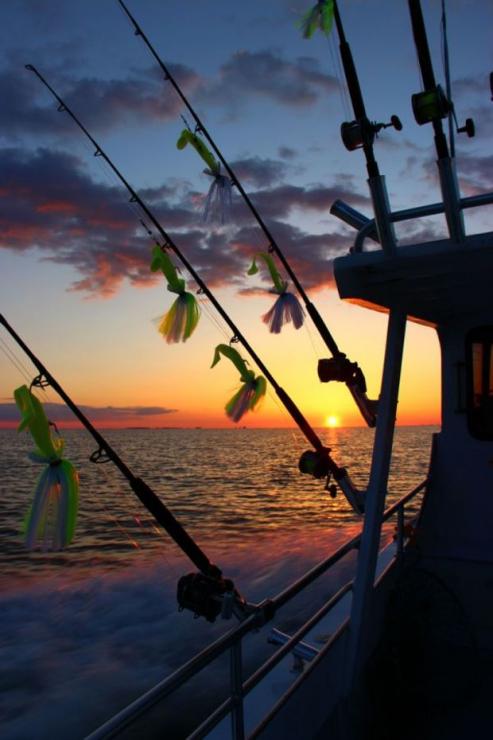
(360, 134)
(431, 106)
(203, 593)
(318, 462)
(341, 368)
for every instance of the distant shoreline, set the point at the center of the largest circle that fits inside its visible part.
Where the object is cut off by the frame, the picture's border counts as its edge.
(61, 426)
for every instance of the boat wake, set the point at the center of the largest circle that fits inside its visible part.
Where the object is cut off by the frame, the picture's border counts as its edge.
(75, 652)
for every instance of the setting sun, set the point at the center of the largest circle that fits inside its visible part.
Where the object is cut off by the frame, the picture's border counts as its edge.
(332, 421)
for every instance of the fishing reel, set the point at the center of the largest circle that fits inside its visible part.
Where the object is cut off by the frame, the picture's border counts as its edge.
(341, 369)
(355, 134)
(318, 463)
(431, 105)
(208, 596)
(315, 463)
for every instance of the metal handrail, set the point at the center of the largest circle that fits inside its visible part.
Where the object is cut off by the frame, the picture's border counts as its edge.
(432, 209)
(165, 687)
(232, 641)
(276, 658)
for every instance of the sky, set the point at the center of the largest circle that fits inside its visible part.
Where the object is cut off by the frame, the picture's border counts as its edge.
(75, 281)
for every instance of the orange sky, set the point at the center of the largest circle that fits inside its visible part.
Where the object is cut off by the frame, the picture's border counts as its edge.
(128, 364)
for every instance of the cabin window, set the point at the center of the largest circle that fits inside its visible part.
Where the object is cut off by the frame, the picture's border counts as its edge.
(479, 354)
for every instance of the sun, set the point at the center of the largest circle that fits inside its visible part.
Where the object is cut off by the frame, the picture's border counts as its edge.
(332, 421)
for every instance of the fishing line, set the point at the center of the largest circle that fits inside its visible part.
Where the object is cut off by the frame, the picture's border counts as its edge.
(448, 84)
(146, 495)
(203, 301)
(11, 357)
(339, 75)
(24, 371)
(317, 462)
(364, 405)
(113, 182)
(215, 321)
(143, 526)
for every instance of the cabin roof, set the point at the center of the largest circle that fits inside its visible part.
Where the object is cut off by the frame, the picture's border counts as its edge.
(433, 282)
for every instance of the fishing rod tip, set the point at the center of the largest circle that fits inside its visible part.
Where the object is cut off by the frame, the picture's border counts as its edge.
(30, 67)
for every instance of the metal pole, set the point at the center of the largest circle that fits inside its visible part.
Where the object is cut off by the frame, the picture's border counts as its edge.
(375, 496)
(237, 715)
(400, 531)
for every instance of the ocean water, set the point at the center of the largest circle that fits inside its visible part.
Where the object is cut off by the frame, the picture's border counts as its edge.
(86, 630)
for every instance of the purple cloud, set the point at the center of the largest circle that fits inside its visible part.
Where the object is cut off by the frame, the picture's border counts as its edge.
(107, 103)
(48, 201)
(58, 412)
(266, 73)
(259, 171)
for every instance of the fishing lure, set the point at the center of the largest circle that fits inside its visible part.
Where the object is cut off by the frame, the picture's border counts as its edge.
(219, 198)
(50, 522)
(179, 323)
(287, 306)
(252, 389)
(320, 16)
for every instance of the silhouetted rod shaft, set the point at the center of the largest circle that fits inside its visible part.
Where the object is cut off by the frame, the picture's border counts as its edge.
(146, 495)
(355, 93)
(293, 410)
(203, 130)
(318, 321)
(426, 67)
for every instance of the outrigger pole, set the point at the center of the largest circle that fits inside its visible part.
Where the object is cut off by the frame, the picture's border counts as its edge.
(342, 368)
(319, 463)
(218, 586)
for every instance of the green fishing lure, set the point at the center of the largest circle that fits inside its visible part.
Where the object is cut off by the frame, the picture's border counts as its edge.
(252, 389)
(187, 137)
(219, 198)
(179, 323)
(287, 307)
(320, 16)
(280, 285)
(50, 522)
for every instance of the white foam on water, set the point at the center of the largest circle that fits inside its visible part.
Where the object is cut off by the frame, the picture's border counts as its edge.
(74, 652)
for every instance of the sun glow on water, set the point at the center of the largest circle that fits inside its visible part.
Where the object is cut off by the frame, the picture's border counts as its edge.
(332, 422)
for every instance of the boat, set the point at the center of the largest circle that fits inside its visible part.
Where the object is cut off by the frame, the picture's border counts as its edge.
(410, 638)
(408, 641)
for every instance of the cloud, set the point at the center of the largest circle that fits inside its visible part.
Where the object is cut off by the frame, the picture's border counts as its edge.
(478, 85)
(280, 201)
(475, 173)
(309, 255)
(294, 83)
(58, 412)
(110, 103)
(49, 202)
(259, 171)
(285, 152)
(107, 103)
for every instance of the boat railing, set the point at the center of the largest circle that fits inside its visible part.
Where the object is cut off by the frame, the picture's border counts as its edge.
(367, 227)
(232, 642)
